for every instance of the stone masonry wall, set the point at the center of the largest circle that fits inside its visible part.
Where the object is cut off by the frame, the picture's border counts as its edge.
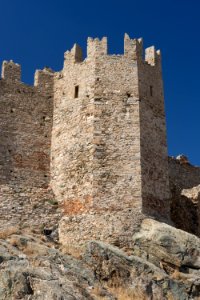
(99, 161)
(72, 151)
(119, 186)
(183, 175)
(154, 158)
(184, 209)
(116, 162)
(25, 133)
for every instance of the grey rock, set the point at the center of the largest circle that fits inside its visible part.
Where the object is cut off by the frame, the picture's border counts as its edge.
(163, 263)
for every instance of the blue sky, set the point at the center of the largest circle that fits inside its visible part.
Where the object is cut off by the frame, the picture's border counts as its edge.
(36, 34)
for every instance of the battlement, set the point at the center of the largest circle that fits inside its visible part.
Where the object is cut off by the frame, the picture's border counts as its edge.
(97, 48)
(152, 57)
(11, 71)
(133, 48)
(75, 55)
(44, 78)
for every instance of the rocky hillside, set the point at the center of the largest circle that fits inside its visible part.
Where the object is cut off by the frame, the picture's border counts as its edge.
(162, 263)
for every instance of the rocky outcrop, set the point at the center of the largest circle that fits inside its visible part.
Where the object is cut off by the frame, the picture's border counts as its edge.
(33, 269)
(193, 193)
(163, 263)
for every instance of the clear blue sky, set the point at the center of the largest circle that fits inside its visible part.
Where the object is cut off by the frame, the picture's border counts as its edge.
(36, 34)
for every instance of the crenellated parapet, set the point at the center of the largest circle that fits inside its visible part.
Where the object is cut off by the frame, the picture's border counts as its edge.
(75, 55)
(133, 48)
(44, 78)
(152, 56)
(96, 47)
(11, 71)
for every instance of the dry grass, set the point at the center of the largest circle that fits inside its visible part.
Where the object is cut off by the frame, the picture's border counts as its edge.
(121, 293)
(117, 287)
(5, 233)
(75, 251)
(28, 247)
(14, 241)
(129, 294)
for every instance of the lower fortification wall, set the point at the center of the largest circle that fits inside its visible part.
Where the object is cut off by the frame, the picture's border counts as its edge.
(30, 207)
(26, 114)
(182, 174)
(25, 132)
(184, 206)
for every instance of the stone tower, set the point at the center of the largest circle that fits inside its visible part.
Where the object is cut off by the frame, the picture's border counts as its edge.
(108, 151)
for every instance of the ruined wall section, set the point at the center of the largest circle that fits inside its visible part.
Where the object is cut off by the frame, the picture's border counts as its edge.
(184, 205)
(72, 136)
(182, 174)
(25, 123)
(25, 133)
(154, 159)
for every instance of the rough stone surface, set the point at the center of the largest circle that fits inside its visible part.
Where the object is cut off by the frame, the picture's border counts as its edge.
(185, 202)
(114, 227)
(30, 269)
(90, 141)
(25, 131)
(113, 163)
(163, 263)
(182, 174)
(164, 243)
(193, 193)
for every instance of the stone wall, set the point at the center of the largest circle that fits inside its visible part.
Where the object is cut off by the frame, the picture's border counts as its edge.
(182, 174)
(72, 135)
(154, 158)
(184, 207)
(25, 133)
(95, 142)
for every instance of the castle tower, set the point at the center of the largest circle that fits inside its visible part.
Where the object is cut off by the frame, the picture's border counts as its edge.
(109, 155)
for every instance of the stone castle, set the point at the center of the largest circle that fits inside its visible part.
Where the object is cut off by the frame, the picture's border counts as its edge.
(88, 145)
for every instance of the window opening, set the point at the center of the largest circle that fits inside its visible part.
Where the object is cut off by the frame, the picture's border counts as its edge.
(76, 92)
(151, 90)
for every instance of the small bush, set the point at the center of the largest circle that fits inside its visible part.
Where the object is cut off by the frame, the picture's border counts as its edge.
(6, 232)
(52, 202)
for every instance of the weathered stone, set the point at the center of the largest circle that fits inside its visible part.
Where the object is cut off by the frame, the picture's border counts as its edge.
(193, 193)
(165, 267)
(140, 278)
(161, 243)
(32, 270)
(90, 140)
(184, 184)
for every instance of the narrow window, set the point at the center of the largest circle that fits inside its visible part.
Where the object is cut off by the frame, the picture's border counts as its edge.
(76, 92)
(151, 90)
